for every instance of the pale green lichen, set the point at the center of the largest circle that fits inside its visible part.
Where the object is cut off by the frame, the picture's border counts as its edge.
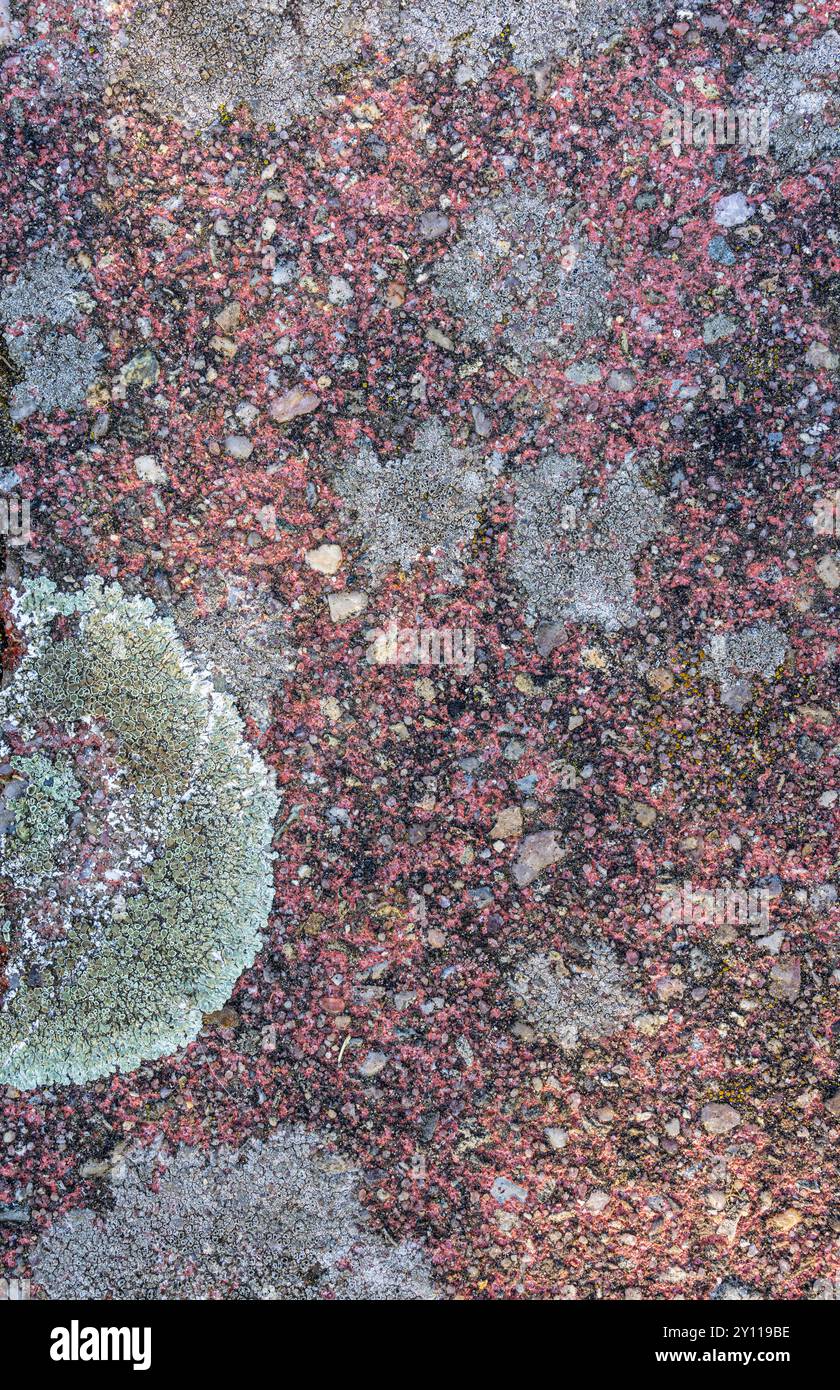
(137, 951)
(49, 793)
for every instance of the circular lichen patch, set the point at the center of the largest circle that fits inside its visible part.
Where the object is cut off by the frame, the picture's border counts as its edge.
(135, 839)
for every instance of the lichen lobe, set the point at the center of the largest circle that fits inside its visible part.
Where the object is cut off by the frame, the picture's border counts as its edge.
(139, 894)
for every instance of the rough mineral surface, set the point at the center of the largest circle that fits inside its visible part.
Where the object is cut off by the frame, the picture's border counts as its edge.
(584, 996)
(735, 657)
(196, 60)
(467, 406)
(599, 23)
(136, 846)
(478, 32)
(523, 277)
(800, 90)
(424, 503)
(273, 1220)
(573, 552)
(243, 644)
(58, 355)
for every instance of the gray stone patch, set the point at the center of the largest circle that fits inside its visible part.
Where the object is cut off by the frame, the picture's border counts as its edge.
(279, 1219)
(506, 1191)
(522, 277)
(822, 897)
(600, 22)
(478, 33)
(581, 570)
(583, 994)
(734, 658)
(801, 91)
(42, 311)
(717, 328)
(824, 1289)
(196, 59)
(731, 1290)
(10, 29)
(244, 644)
(421, 503)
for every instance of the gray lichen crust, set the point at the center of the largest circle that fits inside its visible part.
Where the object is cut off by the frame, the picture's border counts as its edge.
(195, 59)
(423, 503)
(136, 841)
(800, 90)
(573, 554)
(523, 278)
(42, 310)
(585, 995)
(244, 645)
(734, 658)
(599, 23)
(274, 1220)
(481, 32)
